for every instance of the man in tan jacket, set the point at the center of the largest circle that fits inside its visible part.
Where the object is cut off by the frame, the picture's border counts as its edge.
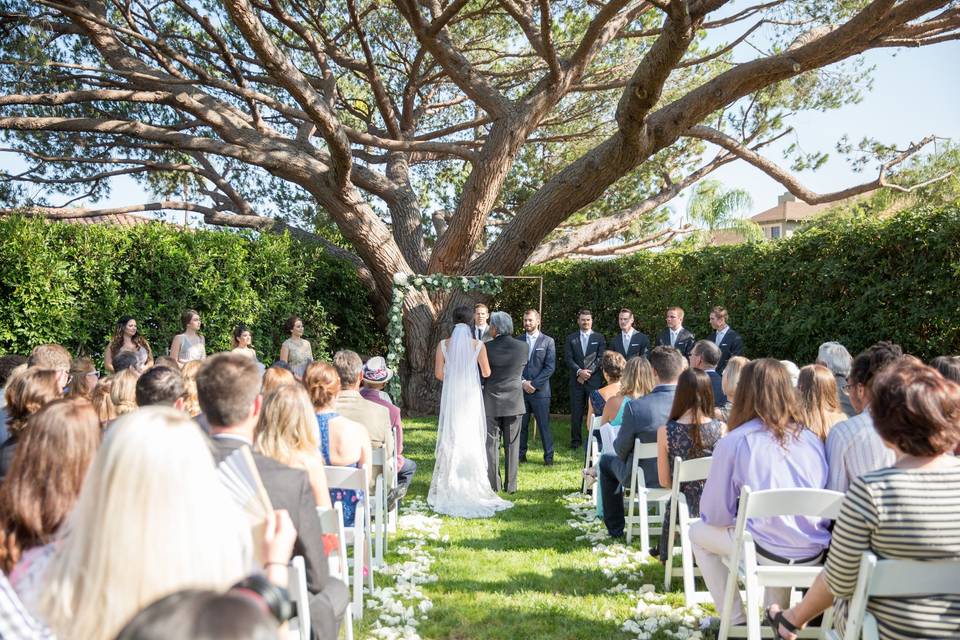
(350, 404)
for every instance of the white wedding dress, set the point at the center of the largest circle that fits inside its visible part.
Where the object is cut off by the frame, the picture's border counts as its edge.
(460, 486)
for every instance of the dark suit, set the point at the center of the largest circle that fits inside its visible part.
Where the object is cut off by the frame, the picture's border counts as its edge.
(503, 404)
(719, 397)
(289, 489)
(684, 342)
(541, 363)
(641, 419)
(579, 393)
(843, 396)
(731, 345)
(639, 345)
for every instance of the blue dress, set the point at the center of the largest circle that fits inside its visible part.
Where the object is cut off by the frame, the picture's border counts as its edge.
(348, 497)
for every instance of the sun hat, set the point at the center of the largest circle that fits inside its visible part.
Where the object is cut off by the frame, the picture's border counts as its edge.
(376, 371)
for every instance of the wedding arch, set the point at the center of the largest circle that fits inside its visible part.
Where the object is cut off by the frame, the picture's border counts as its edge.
(403, 284)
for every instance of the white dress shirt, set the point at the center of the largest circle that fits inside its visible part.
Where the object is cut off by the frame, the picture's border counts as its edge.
(531, 342)
(721, 333)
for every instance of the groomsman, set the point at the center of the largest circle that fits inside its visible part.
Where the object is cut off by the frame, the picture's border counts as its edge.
(481, 330)
(629, 342)
(675, 335)
(541, 363)
(729, 341)
(583, 352)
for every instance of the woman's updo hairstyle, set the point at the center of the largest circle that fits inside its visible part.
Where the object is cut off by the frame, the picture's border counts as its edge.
(322, 383)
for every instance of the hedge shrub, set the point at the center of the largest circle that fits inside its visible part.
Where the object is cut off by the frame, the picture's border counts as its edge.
(70, 283)
(855, 281)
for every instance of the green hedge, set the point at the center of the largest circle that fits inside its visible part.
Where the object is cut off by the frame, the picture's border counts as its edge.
(69, 283)
(855, 281)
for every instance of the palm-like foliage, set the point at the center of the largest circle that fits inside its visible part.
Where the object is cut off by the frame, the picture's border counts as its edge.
(712, 207)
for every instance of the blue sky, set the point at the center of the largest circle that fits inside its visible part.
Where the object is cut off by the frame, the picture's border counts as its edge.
(916, 92)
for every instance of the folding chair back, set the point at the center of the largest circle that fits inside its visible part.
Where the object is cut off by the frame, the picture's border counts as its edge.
(742, 562)
(680, 521)
(639, 496)
(381, 491)
(297, 583)
(591, 452)
(895, 579)
(359, 534)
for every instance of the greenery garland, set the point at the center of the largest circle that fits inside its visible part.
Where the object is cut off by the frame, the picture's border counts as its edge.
(404, 283)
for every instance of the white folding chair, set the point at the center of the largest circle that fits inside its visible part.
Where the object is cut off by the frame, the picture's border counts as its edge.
(680, 521)
(894, 579)
(742, 562)
(381, 491)
(591, 453)
(640, 498)
(359, 534)
(331, 523)
(297, 586)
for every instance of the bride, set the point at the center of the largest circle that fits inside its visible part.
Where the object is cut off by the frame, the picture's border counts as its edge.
(460, 486)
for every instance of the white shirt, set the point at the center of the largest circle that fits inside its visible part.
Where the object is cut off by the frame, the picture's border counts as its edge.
(721, 333)
(673, 336)
(531, 341)
(627, 337)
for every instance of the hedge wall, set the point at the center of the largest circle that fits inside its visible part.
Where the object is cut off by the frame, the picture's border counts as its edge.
(70, 283)
(855, 281)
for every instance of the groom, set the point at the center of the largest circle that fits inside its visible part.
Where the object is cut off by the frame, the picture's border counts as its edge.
(503, 400)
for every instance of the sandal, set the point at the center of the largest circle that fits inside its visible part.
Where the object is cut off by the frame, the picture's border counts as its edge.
(777, 621)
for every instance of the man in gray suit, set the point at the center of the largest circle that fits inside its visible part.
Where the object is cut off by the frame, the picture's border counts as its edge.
(228, 387)
(503, 400)
(641, 419)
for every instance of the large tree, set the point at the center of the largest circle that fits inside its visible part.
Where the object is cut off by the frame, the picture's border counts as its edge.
(453, 136)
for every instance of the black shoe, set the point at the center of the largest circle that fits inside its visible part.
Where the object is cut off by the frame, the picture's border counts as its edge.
(523, 458)
(548, 462)
(575, 445)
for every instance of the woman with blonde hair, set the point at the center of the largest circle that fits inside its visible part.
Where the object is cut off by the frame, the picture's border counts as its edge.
(729, 381)
(102, 402)
(766, 447)
(172, 525)
(274, 378)
(83, 378)
(27, 392)
(638, 380)
(818, 399)
(287, 432)
(126, 337)
(191, 402)
(123, 392)
(45, 478)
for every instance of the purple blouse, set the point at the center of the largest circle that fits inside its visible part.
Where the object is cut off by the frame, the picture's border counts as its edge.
(750, 456)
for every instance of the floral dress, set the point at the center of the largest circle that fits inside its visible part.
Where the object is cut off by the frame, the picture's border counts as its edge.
(679, 443)
(348, 497)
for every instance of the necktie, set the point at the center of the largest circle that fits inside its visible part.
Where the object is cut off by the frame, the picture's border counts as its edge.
(673, 338)
(583, 342)
(479, 334)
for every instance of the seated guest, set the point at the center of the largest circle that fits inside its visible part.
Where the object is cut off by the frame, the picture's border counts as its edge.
(350, 404)
(905, 512)
(641, 419)
(45, 478)
(191, 403)
(853, 446)
(123, 392)
(15, 620)
(287, 432)
(127, 339)
(793, 371)
(102, 402)
(704, 356)
(638, 380)
(274, 378)
(834, 356)
(818, 400)
(948, 366)
(153, 486)
(611, 365)
(161, 386)
(228, 386)
(126, 360)
(9, 364)
(343, 442)
(766, 447)
(26, 393)
(375, 376)
(729, 379)
(83, 378)
(166, 361)
(691, 432)
(54, 357)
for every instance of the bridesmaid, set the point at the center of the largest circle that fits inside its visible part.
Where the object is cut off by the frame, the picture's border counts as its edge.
(189, 345)
(126, 337)
(296, 351)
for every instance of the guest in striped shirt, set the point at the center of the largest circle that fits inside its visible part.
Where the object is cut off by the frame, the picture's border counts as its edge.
(853, 447)
(908, 511)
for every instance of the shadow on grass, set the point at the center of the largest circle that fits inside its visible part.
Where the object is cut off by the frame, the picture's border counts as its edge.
(558, 581)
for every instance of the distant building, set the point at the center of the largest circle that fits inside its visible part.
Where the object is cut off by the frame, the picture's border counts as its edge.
(789, 214)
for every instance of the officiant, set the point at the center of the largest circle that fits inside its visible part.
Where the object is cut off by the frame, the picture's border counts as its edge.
(503, 401)
(582, 352)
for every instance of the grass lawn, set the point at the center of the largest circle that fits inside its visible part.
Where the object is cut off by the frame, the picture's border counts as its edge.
(521, 574)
